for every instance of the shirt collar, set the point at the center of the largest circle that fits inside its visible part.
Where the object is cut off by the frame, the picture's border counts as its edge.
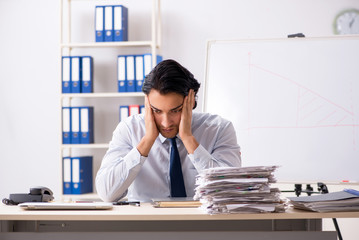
(163, 139)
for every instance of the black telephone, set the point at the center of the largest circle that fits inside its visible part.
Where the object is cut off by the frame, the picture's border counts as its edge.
(37, 194)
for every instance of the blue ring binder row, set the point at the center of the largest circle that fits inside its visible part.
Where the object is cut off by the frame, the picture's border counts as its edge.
(77, 175)
(77, 74)
(111, 23)
(129, 110)
(77, 125)
(132, 70)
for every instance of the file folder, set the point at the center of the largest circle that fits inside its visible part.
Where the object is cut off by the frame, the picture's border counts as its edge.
(142, 109)
(66, 125)
(130, 73)
(147, 59)
(75, 74)
(134, 109)
(81, 175)
(121, 73)
(124, 112)
(87, 74)
(75, 125)
(66, 75)
(120, 15)
(87, 125)
(99, 23)
(108, 24)
(139, 72)
(66, 175)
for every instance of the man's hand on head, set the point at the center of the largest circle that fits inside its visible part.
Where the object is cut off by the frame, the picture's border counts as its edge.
(152, 132)
(151, 127)
(185, 127)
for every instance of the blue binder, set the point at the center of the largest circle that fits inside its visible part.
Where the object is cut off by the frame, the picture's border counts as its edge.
(142, 109)
(66, 175)
(133, 109)
(75, 74)
(86, 125)
(124, 112)
(82, 175)
(147, 59)
(66, 125)
(108, 23)
(139, 72)
(121, 73)
(99, 23)
(66, 74)
(130, 73)
(120, 25)
(87, 74)
(75, 125)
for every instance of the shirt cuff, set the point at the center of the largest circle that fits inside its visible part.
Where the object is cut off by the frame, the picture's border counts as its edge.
(134, 159)
(200, 157)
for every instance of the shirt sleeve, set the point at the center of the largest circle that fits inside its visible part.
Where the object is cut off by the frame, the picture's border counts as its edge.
(225, 151)
(119, 167)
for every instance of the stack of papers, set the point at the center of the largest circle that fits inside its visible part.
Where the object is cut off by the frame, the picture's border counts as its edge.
(238, 190)
(343, 201)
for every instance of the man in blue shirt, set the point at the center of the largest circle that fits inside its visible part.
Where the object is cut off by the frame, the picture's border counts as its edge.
(137, 162)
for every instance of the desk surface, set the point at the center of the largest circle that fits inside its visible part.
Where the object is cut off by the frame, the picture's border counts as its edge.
(148, 213)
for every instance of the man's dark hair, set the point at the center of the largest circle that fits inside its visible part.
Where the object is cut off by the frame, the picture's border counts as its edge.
(170, 76)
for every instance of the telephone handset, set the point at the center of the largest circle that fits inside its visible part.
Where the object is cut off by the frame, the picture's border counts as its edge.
(37, 194)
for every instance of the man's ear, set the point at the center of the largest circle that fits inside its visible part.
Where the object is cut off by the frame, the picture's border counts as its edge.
(195, 101)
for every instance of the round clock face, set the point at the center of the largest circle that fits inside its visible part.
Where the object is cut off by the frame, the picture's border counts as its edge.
(347, 22)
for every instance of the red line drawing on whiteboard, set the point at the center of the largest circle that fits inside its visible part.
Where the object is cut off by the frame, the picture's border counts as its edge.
(303, 87)
(313, 110)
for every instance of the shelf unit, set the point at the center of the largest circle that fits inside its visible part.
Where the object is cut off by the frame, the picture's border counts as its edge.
(66, 48)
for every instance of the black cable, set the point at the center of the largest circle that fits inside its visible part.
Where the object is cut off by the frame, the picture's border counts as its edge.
(337, 228)
(7, 201)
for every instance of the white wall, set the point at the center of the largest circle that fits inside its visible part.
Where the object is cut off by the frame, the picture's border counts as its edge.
(30, 57)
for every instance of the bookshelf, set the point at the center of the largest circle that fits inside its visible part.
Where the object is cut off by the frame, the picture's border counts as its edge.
(68, 47)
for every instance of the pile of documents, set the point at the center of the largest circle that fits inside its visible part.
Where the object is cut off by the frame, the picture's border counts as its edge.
(343, 201)
(238, 190)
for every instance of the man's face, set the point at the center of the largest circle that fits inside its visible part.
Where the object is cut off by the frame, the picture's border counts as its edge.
(167, 109)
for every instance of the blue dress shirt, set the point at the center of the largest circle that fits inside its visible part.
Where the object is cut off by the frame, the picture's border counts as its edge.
(124, 171)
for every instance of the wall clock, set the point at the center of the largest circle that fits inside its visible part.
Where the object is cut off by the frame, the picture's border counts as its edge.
(347, 22)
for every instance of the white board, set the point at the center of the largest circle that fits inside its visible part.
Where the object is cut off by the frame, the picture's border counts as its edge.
(293, 102)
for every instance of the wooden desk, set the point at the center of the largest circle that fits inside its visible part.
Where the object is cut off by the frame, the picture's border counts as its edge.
(146, 222)
(148, 213)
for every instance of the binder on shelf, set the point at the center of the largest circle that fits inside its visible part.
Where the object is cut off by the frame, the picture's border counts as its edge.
(66, 175)
(66, 125)
(87, 74)
(75, 125)
(124, 112)
(120, 24)
(121, 73)
(66, 74)
(139, 72)
(99, 23)
(134, 109)
(142, 109)
(147, 59)
(75, 74)
(81, 175)
(108, 23)
(130, 73)
(86, 125)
